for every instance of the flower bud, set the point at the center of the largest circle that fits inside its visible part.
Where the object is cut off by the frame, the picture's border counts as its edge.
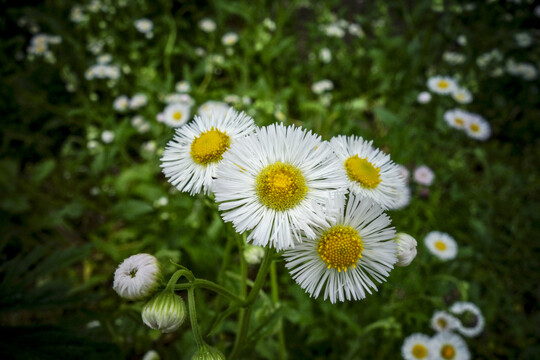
(166, 312)
(208, 353)
(137, 277)
(406, 249)
(253, 254)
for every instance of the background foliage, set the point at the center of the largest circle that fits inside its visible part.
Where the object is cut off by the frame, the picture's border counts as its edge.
(69, 214)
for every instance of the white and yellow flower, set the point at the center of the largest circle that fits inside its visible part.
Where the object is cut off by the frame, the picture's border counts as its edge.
(462, 95)
(416, 346)
(423, 175)
(272, 181)
(191, 158)
(443, 85)
(229, 39)
(353, 249)
(175, 114)
(473, 321)
(441, 245)
(443, 321)
(448, 346)
(370, 172)
(457, 118)
(218, 108)
(478, 128)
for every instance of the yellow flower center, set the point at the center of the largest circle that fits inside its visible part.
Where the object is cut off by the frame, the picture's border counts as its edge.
(177, 115)
(459, 121)
(475, 127)
(362, 171)
(443, 84)
(210, 146)
(419, 351)
(281, 186)
(448, 351)
(460, 96)
(439, 245)
(340, 247)
(442, 323)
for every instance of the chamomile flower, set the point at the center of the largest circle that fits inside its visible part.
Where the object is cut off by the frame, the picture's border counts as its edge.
(443, 85)
(229, 39)
(137, 277)
(175, 114)
(462, 95)
(441, 245)
(472, 322)
(424, 97)
(271, 183)
(449, 346)
(183, 87)
(456, 118)
(443, 321)
(423, 175)
(416, 346)
(351, 251)
(478, 128)
(144, 26)
(190, 159)
(207, 25)
(211, 106)
(121, 103)
(370, 172)
(138, 101)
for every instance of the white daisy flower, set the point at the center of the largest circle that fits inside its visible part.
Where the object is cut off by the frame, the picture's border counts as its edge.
(473, 321)
(320, 87)
(478, 128)
(229, 39)
(405, 173)
(453, 58)
(441, 245)
(207, 25)
(457, 118)
(137, 277)
(370, 172)
(462, 95)
(104, 59)
(211, 106)
(423, 175)
(406, 249)
(151, 355)
(424, 97)
(325, 55)
(77, 15)
(121, 103)
(190, 159)
(333, 30)
(443, 321)
(403, 199)
(352, 249)
(441, 84)
(271, 182)
(183, 87)
(175, 115)
(449, 346)
(107, 136)
(179, 98)
(138, 101)
(144, 26)
(416, 346)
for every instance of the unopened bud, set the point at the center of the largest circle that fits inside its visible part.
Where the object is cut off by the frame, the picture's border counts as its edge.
(207, 352)
(166, 312)
(406, 249)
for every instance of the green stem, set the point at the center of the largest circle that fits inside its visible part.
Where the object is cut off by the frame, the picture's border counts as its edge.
(245, 315)
(275, 299)
(193, 318)
(209, 285)
(177, 275)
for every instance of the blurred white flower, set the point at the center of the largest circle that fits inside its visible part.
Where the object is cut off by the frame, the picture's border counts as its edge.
(269, 24)
(457, 118)
(333, 30)
(523, 39)
(229, 39)
(443, 321)
(441, 84)
(279, 115)
(138, 101)
(462, 40)
(356, 30)
(77, 15)
(447, 345)
(104, 59)
(149, 146)
(179, 98)
(417, 346)
(151, 355)
(453, 58)
(441, 245)
(321, 86)
(144, 26)
(478, 128)
(121, 103)
(424, 97)
(423, 175)
(183, 86)
(232, 99)
(207, 25)
(175, 114)
(473, 321)
(462, 95)
(253, 254)
(325, 55)
(199, 51)
(218, 108)
(107, 136)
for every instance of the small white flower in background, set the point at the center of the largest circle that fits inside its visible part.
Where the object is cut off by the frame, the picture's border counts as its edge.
(161, 202)
(94, 6)
(403, 198)
(175, 114)
(151, 355)
(416, 346)
(179, 98)
(478, 128)
(279, 115)
(424, 97)
(39, 44)
(104, 59)
(207, 25)
(457, 118)
(149, 146)
(137, 277)
(441, 245)
(144, 26)
(462, 95)
(441, 84)
(356, 30)
(138, 101)
(92, 144)
(321, 86)
(473, 321)
(447, 345)
(199, 51)
(462, 40)
(269, 24)
(77, 15)
(229, 39)
(423, 175)
(406, 249)
(93, 324)
(166, 312)
(107, 136)
(182, 87)
(253, 254)
(443, 321)
(453, 58)
(139, 123)
(121, 103)
(523, 39)
(525, 70)
(246, 100)
(333, 30)
(232, 99)
(404, 172)
(218, 108)
(325, 55)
